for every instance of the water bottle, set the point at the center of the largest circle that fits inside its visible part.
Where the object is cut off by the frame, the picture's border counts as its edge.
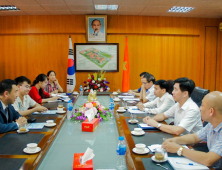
(80, 90)
(121, 151)
(112, 104)
(69, 109)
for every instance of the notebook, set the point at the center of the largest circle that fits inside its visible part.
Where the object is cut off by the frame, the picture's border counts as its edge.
(181, 163)
(48, 112)
(35, 125)
(146, 127)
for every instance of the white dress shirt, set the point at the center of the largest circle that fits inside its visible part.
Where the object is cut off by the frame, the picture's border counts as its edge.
(188, 116)
(98, 35)
(27, 103)
(150, 94)
(159, 105)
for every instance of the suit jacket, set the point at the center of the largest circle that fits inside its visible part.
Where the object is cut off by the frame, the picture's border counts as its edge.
(6, 126)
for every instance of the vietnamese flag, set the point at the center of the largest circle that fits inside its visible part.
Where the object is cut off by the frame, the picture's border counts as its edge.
(125, 81)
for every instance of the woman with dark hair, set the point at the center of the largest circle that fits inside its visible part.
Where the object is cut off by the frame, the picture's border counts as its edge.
(52, 85)
(37, 91)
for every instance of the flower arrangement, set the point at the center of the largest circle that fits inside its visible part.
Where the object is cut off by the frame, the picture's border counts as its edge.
(99, 111)
(96, 81)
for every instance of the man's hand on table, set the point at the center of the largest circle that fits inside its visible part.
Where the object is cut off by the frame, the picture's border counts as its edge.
(170, 146)
(145, 119)
(140, 106)
(21, 121)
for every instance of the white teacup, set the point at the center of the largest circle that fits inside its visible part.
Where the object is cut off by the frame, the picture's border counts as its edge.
(115, 93)
(116, 98)
(138, 130)
(32, 147)
(121, 108)
(140, 147)
(49, 122)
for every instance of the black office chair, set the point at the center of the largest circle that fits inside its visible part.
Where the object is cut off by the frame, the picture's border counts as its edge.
(171, 83)
(197, 96)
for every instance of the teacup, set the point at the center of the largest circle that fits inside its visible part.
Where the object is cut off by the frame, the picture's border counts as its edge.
(115, 93)
(116, 98)
(50, 122)
(32, 147)
(140, 147)
(138, 130)
(60, 106)
(22, 128)
(159, 154)
(122, 108)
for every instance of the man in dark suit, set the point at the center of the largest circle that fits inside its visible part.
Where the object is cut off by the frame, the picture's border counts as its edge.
(9, 118)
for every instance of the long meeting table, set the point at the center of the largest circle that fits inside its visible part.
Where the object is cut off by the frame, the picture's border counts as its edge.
(59, 143)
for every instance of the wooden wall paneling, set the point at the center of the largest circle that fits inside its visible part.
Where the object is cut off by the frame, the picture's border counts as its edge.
(219, 63)
(210, 58)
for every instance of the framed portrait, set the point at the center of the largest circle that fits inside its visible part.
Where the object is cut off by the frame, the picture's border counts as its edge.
(96, 56)
(96, 26)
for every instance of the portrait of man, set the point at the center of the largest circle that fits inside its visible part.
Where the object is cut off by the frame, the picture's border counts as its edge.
(96, 28)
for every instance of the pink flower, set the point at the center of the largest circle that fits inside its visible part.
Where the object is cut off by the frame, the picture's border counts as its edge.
(89, 105)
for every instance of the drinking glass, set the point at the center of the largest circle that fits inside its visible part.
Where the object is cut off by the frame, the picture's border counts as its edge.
(159, 153)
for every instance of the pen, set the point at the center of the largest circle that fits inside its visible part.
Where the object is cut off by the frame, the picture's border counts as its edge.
(186, 164)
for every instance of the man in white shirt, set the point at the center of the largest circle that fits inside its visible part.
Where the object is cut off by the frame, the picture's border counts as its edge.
(24, 101)
(186, 114)
(148, 84)
(96, 26)
(162, 103)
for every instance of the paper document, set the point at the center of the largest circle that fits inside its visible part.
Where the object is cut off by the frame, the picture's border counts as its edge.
(48, 112)
(35, 125)
(132, 107)
(136, 111)
(130, 99)
(126, 96)
(179, 163)
(154, 146)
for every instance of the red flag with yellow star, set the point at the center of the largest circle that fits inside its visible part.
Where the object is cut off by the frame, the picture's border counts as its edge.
(125, 81)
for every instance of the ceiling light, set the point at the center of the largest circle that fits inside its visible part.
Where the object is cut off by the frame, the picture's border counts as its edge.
(8, 8)
(105, 7)
(180, 9)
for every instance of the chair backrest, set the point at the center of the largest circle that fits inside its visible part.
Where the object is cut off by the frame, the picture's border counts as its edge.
(198, 95)
(170, 82)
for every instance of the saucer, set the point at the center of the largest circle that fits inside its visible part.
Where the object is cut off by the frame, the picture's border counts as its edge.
(154, 159)
(137, 134)
(114, 93)
(131, 102)
(52, 124)
(121, 110)
(116, 100)
(75, 93)
(24, 131)
(32, 152)
(145, 151)
(61, 111)
(133, 122)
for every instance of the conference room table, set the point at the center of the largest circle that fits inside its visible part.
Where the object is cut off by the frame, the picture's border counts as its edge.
(58, 144)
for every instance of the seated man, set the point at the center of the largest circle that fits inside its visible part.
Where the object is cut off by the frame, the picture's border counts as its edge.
(162, 103)
(9, 118)
(211, 111)
(136, 92)
(148, 84)
(24, 101)
(186, 114)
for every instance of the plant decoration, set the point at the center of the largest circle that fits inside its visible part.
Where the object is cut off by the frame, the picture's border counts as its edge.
(96, 81)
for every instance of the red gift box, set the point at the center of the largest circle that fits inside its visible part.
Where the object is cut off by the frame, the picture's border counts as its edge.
(90, 126)
(76, 164)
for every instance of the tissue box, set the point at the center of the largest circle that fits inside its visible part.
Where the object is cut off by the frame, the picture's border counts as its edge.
(90, 126)
(77, 166)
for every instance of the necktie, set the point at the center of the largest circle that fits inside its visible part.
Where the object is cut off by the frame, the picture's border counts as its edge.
(6, 113)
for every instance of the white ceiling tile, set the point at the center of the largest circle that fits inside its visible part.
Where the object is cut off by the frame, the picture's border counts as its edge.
(106, 12)
(23, 2)
(79, 2)
(135, 2)
(60, 12)
(81, 7)
(30, 7)
(82, 12)
(51, 2)
(128, 13)
(135, 8)
(163, 2)
(106, 2)
(4, 2)
(43, 12)
(55, 7)
(192, 3)
(156, 8)
(151, 13)
(14, 13)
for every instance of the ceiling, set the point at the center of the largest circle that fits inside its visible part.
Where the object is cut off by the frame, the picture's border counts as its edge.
(203, 8)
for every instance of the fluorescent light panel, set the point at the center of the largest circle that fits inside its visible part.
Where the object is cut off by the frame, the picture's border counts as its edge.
(106, 7)
(180, 9)
(8, 8)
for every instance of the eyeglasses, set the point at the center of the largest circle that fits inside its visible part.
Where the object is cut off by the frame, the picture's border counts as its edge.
(145, 83)
(28, 87)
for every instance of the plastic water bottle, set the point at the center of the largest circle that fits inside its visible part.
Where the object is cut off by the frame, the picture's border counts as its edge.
(121, 151)
(112, 104)
(80, 90)
(69, 109)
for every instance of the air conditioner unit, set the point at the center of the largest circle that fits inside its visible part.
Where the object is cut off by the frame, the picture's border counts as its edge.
(220, 26)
